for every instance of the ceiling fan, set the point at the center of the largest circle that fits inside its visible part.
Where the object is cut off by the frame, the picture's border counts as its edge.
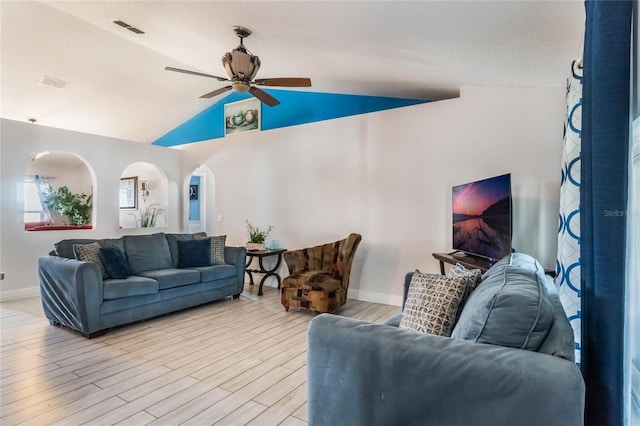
(242, 66)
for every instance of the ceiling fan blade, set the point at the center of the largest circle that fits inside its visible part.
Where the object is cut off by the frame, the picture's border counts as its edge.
(263, 96)
(196, 73)
(284, 82)
(215, 92)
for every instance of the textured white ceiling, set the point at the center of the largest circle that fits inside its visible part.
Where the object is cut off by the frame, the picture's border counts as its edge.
(118, 86)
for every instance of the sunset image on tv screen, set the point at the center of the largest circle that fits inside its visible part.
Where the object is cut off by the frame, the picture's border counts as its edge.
(482, 217)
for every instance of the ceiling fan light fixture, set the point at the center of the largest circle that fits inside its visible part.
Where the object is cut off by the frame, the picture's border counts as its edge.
(241, 86)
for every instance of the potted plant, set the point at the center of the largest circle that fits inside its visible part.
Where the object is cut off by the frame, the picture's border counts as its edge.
(148, 215)
(256, 236)
(75, 207)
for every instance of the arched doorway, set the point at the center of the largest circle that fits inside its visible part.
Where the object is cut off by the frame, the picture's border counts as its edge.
(200, 201)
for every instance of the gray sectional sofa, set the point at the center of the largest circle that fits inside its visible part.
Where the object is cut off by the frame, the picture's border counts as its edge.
(509, 361)
(75, 295)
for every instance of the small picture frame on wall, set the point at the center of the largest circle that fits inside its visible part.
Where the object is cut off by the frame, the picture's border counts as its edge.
(242, 116)
(193, 192)
(128, 194)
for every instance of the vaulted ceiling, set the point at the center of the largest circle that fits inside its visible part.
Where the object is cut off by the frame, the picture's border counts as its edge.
(117, 85)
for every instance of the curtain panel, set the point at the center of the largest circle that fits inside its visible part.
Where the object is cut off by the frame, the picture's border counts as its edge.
(568, 263)
(603, 202)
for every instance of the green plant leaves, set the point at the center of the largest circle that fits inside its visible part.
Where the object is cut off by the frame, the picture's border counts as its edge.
(75, 207)
(256, 235)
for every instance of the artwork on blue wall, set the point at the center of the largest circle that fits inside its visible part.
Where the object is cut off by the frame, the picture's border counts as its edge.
(242, 116)
(193, 192)
(296, 108)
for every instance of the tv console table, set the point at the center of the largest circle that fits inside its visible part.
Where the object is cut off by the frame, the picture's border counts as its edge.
(470, 262)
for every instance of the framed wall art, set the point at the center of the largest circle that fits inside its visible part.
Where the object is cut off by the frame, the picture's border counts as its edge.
(242, 116)
(128, 194)
(193, 192)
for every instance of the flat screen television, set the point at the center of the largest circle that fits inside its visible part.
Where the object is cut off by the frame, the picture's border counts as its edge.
(482, 217)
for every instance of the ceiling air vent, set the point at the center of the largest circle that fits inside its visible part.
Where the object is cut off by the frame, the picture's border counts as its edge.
(50, 81)
(128, 27)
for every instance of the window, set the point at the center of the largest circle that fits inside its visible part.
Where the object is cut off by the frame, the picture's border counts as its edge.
(33, 211)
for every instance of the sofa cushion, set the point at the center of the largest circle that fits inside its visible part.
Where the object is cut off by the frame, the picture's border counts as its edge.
(560, 339)
(394, 321)
(216, 272)
(147, 252)
(170, 278)
(218, 243)
(173, 239)
(193, 253)
(64, 248)
(90, 253)
(432, 303)
(509, 308)
(115, 262)
(130, 286)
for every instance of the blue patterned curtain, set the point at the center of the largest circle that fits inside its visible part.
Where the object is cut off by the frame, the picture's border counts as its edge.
(568, 263)
(603, 202)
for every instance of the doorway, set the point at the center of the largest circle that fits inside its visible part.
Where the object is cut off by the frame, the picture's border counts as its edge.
(196, 203)
(200, 200)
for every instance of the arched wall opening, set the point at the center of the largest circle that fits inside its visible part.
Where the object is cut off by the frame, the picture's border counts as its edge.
(143, 196)
(58, 192)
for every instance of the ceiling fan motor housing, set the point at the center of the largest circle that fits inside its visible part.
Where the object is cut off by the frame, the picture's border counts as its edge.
(240, 66)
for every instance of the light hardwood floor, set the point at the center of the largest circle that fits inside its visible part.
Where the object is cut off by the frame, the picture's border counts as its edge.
(231, 362)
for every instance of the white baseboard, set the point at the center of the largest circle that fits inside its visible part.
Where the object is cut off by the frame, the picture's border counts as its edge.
(22, 293)
(375, 297)
(364, 295)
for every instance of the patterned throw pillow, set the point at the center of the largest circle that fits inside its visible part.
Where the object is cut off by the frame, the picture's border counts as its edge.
(472, 277)
(217, 247)
(90, 253)
(432, 303)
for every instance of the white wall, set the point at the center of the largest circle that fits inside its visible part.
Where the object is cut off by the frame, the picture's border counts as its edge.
(388, 176)
(106, 157)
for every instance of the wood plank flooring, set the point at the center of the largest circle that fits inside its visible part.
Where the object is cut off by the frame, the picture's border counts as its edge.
(231, 362)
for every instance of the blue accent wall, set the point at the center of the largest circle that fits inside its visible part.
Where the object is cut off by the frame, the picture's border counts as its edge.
(295, 108)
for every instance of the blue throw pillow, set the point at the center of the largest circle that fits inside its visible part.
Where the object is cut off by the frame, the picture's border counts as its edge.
(193, 253)
(115, 262)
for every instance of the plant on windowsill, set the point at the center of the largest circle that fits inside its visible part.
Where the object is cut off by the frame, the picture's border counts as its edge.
(256, 236)
(76, 208)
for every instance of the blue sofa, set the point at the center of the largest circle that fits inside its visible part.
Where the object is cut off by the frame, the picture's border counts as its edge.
(75, 295)
(379, 374)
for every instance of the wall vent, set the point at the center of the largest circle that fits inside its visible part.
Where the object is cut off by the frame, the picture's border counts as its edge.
(54, 82)
(128, 27)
